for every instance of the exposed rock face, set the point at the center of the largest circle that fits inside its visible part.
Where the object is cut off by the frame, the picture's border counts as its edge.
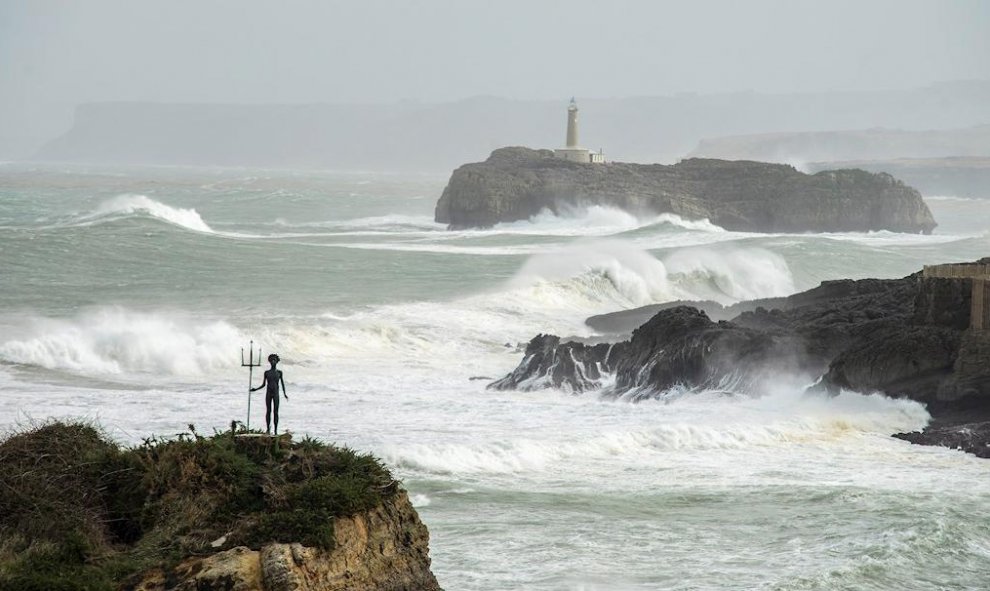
(384, 549)
(904, 337)
(517, 183)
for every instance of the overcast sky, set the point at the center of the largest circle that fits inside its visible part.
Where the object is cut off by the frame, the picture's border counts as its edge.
(54, 55)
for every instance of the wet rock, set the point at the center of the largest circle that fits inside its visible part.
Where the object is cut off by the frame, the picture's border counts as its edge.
(907, 338)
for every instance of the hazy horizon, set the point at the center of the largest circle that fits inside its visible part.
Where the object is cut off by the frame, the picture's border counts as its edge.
(56, 55)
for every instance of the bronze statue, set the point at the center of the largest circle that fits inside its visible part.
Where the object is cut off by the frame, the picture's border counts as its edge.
(273, 377)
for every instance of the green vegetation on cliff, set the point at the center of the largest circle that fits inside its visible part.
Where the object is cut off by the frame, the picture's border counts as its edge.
(79, 513)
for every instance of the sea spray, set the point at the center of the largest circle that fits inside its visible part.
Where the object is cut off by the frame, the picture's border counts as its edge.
(730, 275)
(632, 275)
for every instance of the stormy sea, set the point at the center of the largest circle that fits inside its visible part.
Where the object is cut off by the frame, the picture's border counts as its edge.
(128, 294)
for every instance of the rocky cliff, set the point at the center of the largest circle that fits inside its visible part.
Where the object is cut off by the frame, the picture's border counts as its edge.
(517, 183)
(384, 548)
(236, 511)
(904, 337)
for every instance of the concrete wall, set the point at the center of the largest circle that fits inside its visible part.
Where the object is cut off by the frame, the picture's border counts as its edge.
(961, 270)
(978, 276)
(574, 155)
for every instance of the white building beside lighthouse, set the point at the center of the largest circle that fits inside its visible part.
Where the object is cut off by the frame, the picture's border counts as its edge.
(573, 150)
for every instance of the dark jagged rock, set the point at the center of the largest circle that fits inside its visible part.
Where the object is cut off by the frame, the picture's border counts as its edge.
(683, 346)
(968, 431)
(549, 364)
(624, 322)
(517, 183)
(908, 338)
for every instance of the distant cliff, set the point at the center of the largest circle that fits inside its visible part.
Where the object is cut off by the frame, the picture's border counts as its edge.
(439, 136)
(516, 183)
(861, 144)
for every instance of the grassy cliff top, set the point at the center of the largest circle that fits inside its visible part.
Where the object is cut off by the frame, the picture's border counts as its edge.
(78, 512)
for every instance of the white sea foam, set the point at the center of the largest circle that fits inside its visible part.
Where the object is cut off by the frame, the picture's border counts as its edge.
(703, 423)
(593, 220)
(371, 225)
(420, 500)
(118, 341)
(888, 238)
(596, 220)
(553, 291)
(953, 198)
(586, 221)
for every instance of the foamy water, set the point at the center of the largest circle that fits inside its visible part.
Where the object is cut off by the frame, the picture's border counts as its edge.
(129, 295)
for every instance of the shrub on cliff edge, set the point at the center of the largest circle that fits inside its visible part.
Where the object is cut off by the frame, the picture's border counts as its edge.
(79, 513)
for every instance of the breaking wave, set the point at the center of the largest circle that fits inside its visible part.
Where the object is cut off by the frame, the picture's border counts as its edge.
(553, 291)
(128, 205)
(117, 341)
(626, 276)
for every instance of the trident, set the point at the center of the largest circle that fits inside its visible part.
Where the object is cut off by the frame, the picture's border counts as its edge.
(250, 365)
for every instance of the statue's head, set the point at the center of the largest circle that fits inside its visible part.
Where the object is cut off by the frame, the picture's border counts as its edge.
(273, 359)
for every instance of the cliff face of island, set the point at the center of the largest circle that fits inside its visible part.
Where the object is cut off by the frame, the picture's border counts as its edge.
(233, 512)
(908, 338)
(517, 183)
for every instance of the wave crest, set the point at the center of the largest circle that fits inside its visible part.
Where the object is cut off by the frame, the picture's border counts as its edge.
(128, 205)
(619, 273)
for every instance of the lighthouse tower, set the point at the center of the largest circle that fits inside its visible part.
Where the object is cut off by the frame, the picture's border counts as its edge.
(572, 151)
(572, 131)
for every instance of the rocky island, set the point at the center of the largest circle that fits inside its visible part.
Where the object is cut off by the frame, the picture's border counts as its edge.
(924, 337)
(516, 183)
(232, 512)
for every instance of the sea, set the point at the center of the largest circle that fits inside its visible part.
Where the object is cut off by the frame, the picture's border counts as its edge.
(128, 294)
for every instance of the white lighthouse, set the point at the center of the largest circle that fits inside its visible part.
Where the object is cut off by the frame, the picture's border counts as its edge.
(572, 150)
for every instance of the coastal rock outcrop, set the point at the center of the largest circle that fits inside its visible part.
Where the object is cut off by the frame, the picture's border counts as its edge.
(908, 338)
(516, 183)
(237, 511)
(380, 549)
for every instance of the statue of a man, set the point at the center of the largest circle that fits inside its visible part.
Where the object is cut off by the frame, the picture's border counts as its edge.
(273, 377)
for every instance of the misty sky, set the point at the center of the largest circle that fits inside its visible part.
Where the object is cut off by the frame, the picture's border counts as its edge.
(54, 55)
